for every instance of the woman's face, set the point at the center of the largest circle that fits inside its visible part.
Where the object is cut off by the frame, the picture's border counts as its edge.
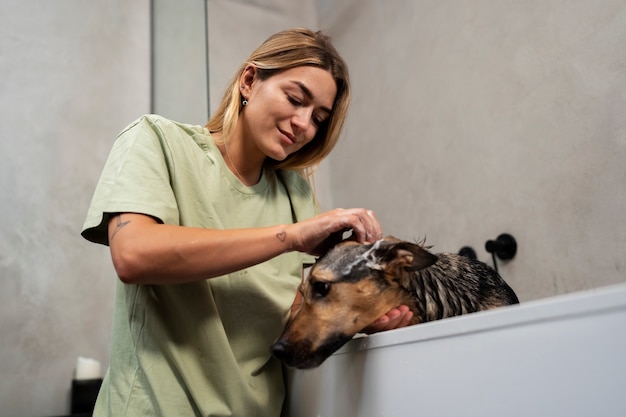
(285, 111)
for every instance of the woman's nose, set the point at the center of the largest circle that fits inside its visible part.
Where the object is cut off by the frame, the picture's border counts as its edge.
(302, 119)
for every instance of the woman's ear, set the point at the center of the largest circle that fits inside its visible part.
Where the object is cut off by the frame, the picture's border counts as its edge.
(247, 79)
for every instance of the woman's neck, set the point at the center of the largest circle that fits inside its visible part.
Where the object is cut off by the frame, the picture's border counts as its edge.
(239, 162)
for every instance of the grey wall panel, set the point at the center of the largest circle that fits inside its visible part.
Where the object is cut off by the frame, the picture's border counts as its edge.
(474, 119)
(74, 74)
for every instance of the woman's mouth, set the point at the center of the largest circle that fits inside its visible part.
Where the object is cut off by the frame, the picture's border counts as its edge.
(288, 138)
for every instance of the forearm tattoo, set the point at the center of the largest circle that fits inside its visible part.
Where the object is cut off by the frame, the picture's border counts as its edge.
(281, 236)
(119, 224)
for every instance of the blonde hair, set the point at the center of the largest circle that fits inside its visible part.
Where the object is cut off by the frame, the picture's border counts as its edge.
(284, 50)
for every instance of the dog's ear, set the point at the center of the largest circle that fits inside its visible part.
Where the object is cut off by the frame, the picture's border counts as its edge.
(398, 258)
(409, 256)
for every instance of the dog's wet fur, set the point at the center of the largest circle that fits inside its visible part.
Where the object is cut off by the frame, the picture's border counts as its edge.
(354, 284)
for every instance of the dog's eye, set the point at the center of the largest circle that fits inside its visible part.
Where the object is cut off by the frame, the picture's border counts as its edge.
(321, 289)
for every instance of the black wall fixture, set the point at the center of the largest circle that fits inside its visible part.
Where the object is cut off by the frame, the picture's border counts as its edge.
(468, 252)
(504, 247)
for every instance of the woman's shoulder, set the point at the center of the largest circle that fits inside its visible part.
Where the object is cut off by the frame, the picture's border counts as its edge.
(159, 123)
(151, 129)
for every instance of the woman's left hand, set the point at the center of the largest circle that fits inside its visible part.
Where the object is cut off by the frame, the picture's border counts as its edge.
(393, 319)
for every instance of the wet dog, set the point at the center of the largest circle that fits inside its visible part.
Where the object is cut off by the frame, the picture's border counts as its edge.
(354, 284)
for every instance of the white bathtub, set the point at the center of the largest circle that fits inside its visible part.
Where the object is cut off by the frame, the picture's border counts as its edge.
(562, 356)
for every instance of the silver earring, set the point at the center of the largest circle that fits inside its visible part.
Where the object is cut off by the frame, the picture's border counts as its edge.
(244, 102)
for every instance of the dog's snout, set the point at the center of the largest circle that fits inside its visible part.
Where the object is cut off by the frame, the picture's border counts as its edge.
(279, 350)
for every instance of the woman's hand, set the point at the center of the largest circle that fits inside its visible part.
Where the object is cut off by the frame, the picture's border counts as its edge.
(318, 234)
(394, 319)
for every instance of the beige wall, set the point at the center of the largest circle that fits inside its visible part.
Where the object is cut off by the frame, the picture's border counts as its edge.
(475, 118)
(73, 74)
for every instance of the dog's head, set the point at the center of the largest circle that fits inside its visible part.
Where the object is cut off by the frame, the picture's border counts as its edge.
(346, 290)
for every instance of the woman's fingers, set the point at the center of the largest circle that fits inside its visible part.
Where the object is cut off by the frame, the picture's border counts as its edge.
(319, 233)
(363, 223)
(393, 319)
(375, 227)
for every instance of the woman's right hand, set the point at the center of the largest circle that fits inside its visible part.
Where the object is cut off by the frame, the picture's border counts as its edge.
(317, 234)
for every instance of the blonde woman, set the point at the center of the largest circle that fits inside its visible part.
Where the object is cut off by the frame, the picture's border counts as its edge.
(208, 228)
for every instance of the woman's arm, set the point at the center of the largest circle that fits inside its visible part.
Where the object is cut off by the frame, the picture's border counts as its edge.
(146, 251)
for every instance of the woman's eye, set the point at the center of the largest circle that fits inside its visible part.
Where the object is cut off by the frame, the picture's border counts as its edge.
(321, 289)
(294, 101)
(317, 121)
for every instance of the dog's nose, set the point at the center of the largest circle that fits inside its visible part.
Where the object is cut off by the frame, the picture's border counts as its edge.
(279, 350)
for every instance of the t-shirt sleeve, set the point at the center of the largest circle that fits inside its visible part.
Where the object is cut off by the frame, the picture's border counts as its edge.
(135, 179)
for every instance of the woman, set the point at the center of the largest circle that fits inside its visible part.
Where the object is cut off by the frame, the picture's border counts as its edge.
(208, 228)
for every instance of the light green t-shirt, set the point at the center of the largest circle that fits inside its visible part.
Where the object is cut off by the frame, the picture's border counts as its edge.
(199, 349)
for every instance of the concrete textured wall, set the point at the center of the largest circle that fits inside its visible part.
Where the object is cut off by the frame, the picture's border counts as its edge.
(471, 119)
(72, 75)
(179, 62)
